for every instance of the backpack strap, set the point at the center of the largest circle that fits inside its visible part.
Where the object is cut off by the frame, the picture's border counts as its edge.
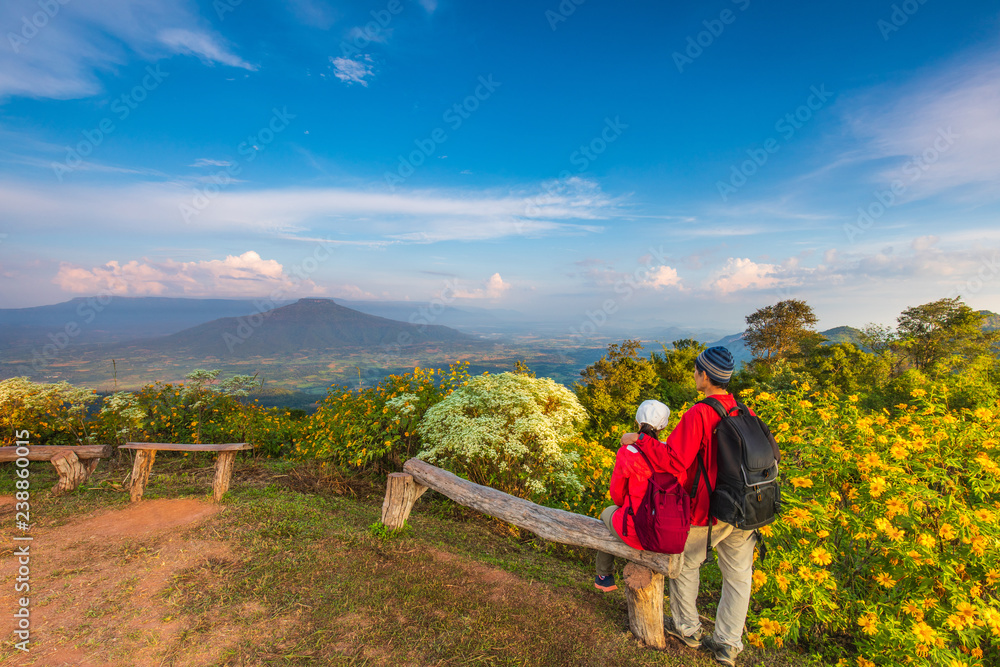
(631, 511)
(719, 408)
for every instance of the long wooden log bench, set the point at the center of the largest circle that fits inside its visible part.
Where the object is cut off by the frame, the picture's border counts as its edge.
(146, 453)
(643, 575)
(74, 463)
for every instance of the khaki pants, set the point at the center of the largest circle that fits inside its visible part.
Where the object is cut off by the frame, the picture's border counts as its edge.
(735, 550)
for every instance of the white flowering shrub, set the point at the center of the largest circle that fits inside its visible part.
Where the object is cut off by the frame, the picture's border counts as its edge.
(508, 432)
(55, 413)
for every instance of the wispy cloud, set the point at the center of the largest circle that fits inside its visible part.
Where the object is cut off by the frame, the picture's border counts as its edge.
(202, 44)
(939, 132)
(353, 70)
(63, 58)
(342, 215)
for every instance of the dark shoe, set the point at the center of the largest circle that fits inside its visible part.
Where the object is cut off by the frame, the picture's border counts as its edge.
(723, 653)
(691, 641)
(605, 583)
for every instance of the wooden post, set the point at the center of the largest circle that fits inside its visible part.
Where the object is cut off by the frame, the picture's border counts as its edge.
(140, 472)
(644, 593)
(223, 473)
(72, 473)
(401, 492)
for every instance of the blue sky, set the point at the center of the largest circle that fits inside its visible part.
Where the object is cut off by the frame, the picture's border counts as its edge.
(623, 162)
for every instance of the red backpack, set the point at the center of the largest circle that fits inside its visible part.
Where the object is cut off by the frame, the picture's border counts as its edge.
(663, 519)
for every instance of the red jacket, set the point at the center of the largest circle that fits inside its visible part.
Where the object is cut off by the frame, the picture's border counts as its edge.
(693, 434)
(629, 480)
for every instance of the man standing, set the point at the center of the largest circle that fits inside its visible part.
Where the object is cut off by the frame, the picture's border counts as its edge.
(713, 370)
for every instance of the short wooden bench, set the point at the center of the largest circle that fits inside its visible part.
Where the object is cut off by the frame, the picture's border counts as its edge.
(74, 463)
(146, 452)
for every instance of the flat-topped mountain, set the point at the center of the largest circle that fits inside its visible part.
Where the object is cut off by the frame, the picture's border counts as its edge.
(305, 327)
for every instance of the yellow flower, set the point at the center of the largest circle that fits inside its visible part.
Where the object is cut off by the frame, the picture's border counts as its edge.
(801, 482)
(926, 541)
(925, 633)
(918, 393)
(947, 532)
(759, 579)
(869, 623)
(877, 487)
(898, 452)
(821, 556)
(782, 582)
(885, 580)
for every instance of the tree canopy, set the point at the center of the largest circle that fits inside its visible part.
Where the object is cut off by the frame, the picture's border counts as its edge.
(775, 332)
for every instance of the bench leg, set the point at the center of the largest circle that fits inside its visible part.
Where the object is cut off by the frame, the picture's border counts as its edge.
(72, 473)
(401, 491)
(223, 473)
(644, 594)
(140, 472)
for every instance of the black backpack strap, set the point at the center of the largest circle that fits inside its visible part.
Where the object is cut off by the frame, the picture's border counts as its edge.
(720, 409)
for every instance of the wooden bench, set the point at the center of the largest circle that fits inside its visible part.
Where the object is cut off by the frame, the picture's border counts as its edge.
(74, 463)
(146, 452)
(643, 576)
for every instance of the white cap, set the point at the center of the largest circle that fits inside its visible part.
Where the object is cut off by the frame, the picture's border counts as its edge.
(654, 413)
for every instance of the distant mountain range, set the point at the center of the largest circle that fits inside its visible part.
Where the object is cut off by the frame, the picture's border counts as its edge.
(308, 343)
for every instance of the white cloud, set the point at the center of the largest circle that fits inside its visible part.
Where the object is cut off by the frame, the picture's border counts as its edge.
(662, 276)
(939, 132)
(341, 215)
(494, 288)
(63, 58)
(245, 275)
(203, 45)
(741, 274)
(206, 162)
(429, 5)
(353, 70)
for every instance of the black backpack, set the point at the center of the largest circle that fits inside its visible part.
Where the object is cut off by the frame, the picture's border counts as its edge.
(747, 494)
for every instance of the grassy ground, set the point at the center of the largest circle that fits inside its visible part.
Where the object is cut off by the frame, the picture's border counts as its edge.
(303, 576)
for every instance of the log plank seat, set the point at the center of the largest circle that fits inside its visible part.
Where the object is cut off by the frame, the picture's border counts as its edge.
(145, 453)
(74, 463)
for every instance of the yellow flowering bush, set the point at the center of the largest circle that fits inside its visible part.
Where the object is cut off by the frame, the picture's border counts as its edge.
(376, 428)
(888, 551)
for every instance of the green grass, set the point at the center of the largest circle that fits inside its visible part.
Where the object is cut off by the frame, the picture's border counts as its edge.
(309, 581)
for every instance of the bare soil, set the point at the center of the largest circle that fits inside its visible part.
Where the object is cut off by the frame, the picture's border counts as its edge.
(96, 585)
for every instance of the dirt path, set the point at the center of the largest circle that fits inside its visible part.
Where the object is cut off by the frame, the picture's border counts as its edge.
(96, 587)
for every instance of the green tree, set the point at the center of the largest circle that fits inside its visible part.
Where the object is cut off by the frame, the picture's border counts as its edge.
(675, 372)
(615, 385)
(775, 332)
(938, 336)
